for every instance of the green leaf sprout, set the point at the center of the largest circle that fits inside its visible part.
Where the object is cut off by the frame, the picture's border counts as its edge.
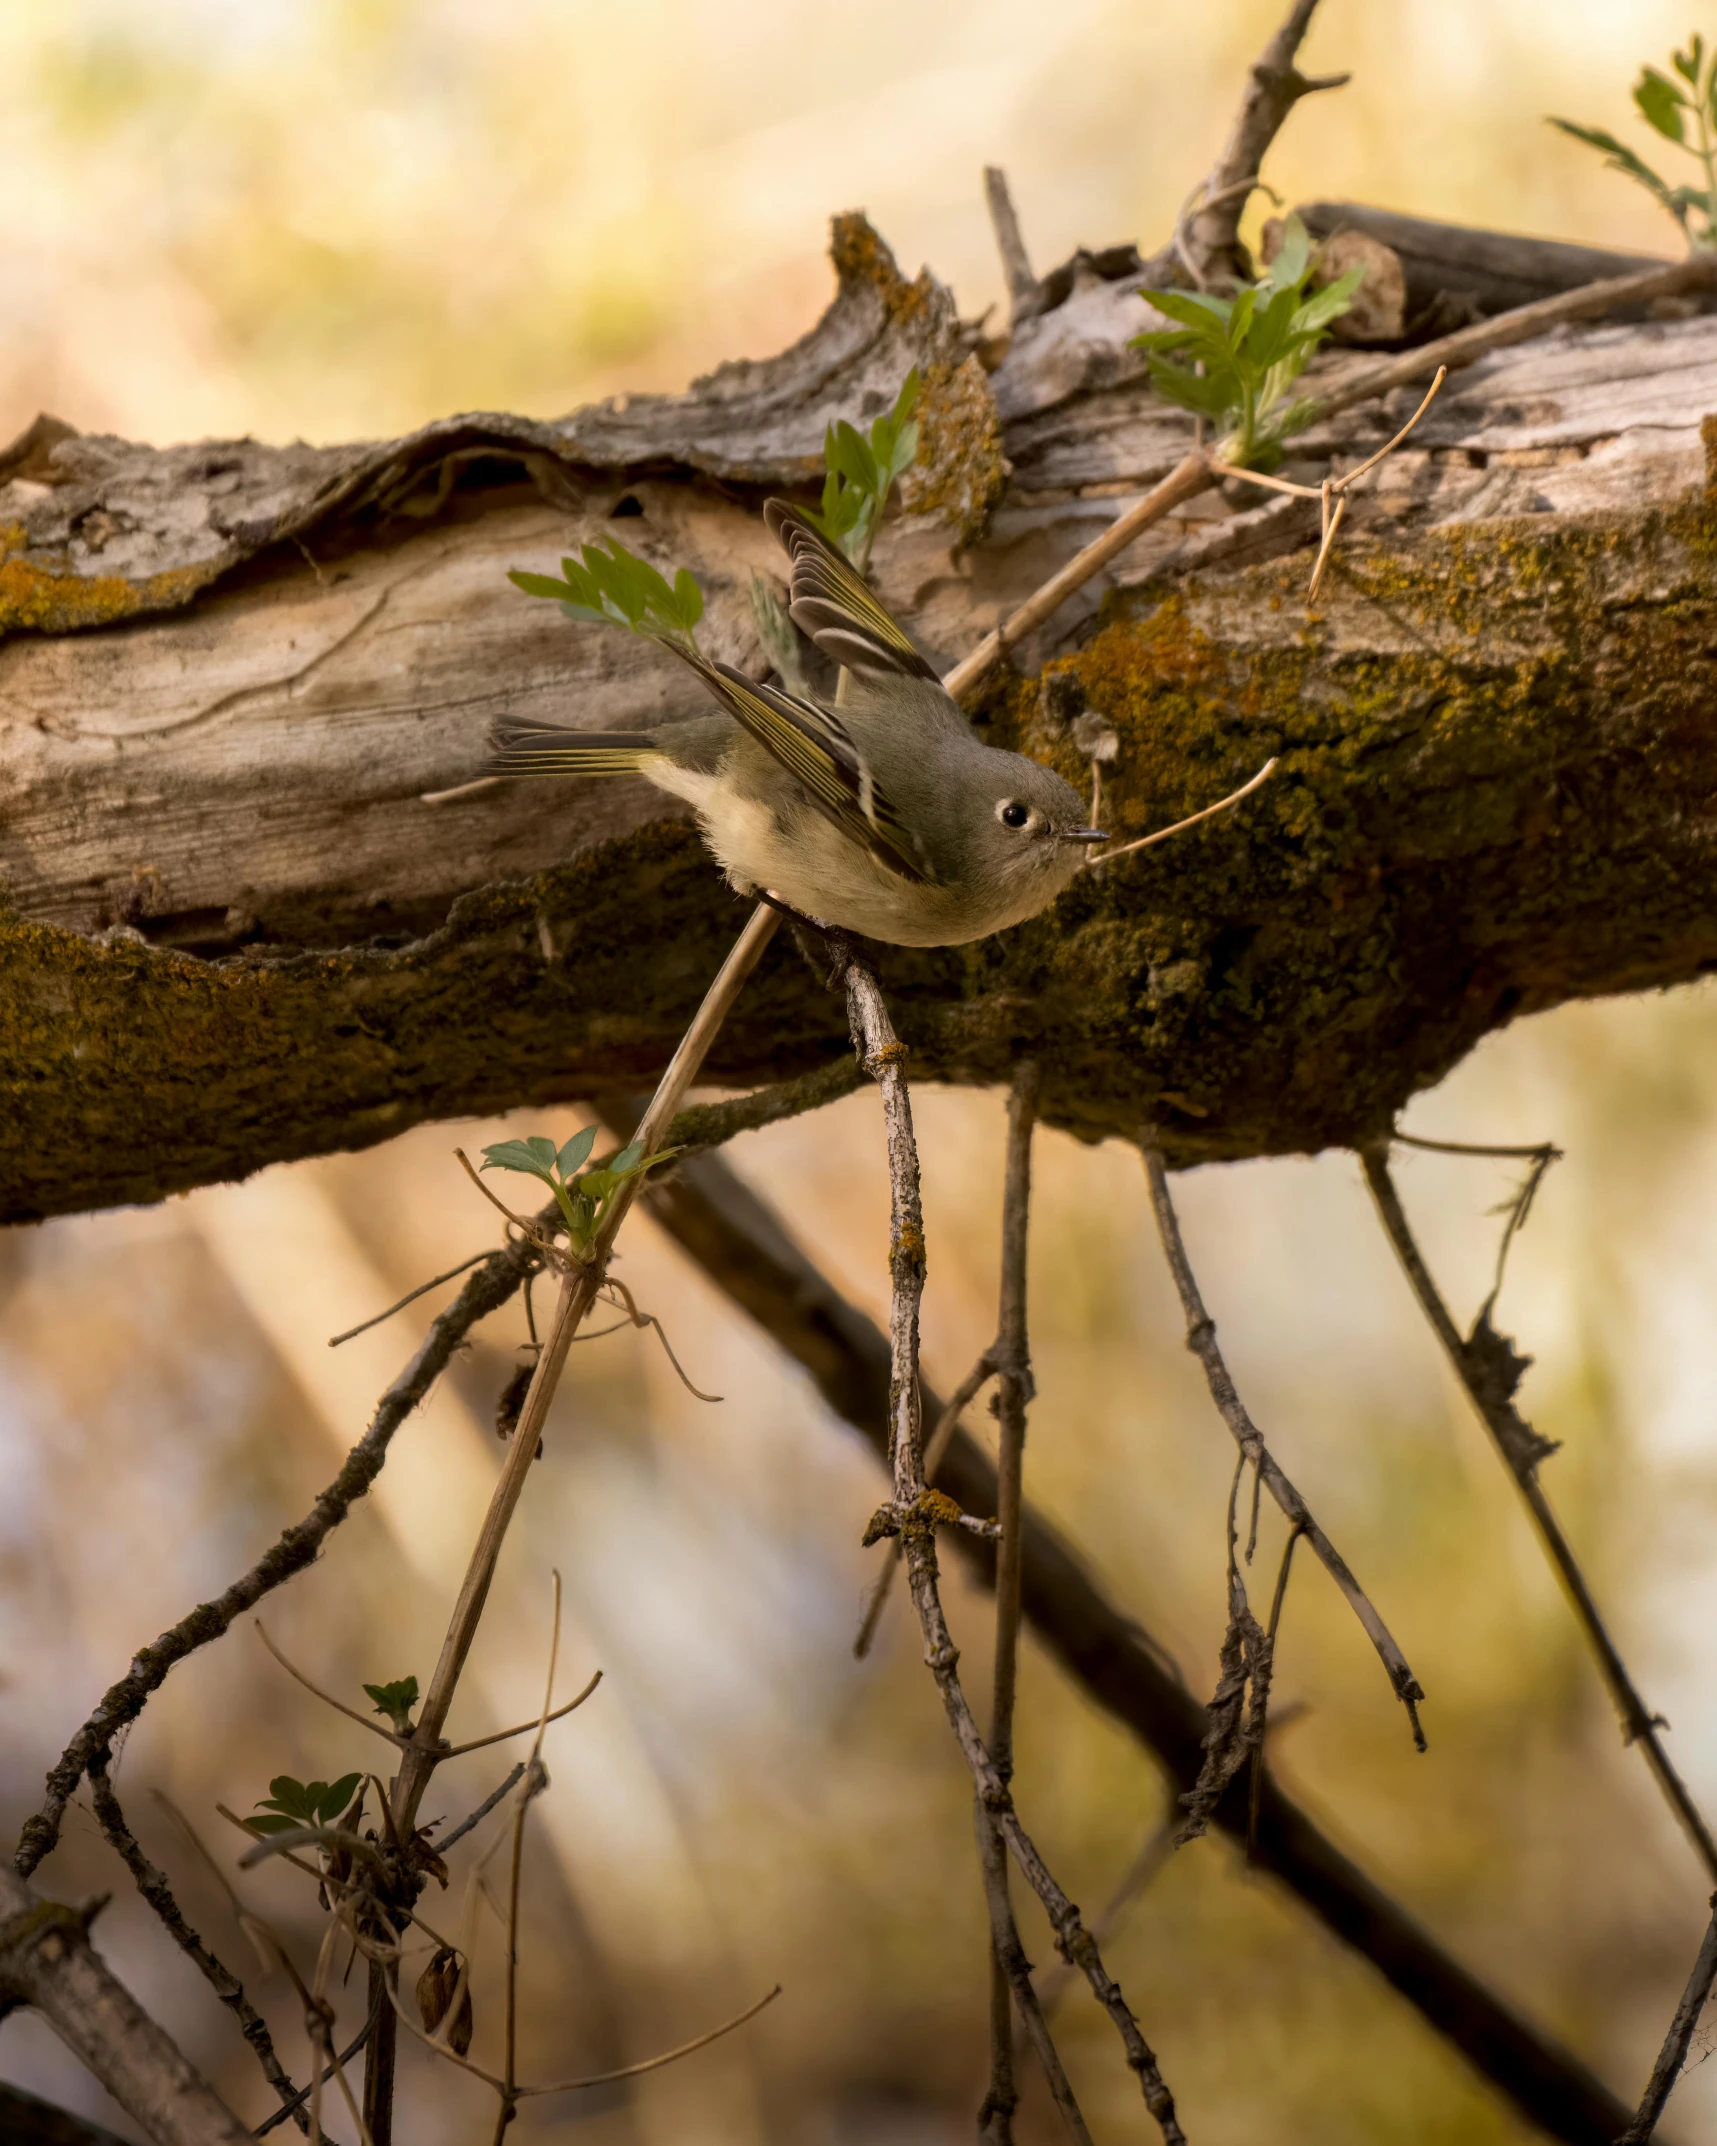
(613, 587)
(1666, 106)
(291, 1803)
(396, 1701)
(1233, 360)
(861, 472)
(582, 1195)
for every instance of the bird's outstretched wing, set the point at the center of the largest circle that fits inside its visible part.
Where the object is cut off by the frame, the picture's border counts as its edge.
(831, 602)
(814, 745)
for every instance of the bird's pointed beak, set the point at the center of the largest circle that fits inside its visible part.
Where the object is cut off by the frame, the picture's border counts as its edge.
(1086, 834)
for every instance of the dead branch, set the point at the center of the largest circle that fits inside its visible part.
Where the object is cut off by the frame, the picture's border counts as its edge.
(1011, 1358)
(1201, 1340)
(1207, 238)
(151, 1882)
(46, 1961)
(1490, 1368)
(883, 1054)
(1025, 295)
(1673, 2055)
(488, 1289)
(736, 1239)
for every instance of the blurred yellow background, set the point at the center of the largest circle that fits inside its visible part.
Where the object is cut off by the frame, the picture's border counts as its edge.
(345, 218)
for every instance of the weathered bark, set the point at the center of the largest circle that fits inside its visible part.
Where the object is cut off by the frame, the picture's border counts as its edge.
(46, 1961)
(235, 931)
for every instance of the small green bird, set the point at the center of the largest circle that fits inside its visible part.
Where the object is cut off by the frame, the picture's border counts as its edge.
(887, 815)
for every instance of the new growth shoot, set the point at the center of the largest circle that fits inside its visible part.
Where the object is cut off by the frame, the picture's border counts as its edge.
(1232, 360)
(1667, 104)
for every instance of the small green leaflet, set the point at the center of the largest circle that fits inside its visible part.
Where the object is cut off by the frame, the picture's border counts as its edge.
(396, 1701)
(580, 1198)
(612, 586)
(861, 471)
(1665, 105)
(291, 1803)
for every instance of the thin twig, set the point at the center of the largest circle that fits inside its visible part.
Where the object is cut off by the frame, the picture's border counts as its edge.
(294, 2108)
(581, 1281)
(1013, 1972)
(1153, 1856)
(601, 2078)
(1014, 1388)
(152, 1884)
(1223, 804)
(1024, 294)
(1489, 1368)
(482, 1743)
(531, 1787)
(1255, 1772)
(364, 1721)
(1673, 2055)
(740, 1243)
(490, 1802)
(524, 1228)
(1201, 1340)
(1190, 476)
(489, 1287)
(411, 1296)
(578, 1292)
(883, 1053)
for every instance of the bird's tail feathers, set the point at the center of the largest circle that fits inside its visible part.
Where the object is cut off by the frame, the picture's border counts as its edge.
(546, 749)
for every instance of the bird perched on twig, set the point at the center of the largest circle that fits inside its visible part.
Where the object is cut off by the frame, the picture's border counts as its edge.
(886, 815)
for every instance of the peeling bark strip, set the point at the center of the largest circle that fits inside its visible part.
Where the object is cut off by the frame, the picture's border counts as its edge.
(234, 932)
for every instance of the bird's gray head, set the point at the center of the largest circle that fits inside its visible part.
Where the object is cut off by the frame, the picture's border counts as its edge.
(1020, 827)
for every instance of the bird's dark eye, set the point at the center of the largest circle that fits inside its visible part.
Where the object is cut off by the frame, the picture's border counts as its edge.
(1014, 814)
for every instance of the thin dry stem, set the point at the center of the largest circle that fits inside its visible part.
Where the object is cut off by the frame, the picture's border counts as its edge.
(1201, 1340)
(364, 1721)
(940, 1439)
(883, 1053)
(1223, 804)
(1673, 2055)
(1489, 1369)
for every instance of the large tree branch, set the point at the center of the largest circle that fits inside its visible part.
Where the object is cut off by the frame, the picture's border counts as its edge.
(236, 933)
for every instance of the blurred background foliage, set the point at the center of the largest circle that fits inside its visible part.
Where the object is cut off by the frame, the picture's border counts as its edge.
(336, 217)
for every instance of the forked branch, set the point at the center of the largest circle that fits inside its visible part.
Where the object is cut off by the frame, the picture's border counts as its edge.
(883, 1055)
(1201, 1340)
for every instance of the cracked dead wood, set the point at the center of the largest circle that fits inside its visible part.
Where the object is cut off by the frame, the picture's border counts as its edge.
(1490, 1368)
(233, 932)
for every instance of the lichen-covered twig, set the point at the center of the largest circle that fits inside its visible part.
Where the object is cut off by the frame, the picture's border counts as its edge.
(1490, 1368)
(882, 1054)
(1201, 1340)
(152, 1883)
(1673, 2055)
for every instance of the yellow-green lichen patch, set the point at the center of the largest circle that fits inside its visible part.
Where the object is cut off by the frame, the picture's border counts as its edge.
(960, 471)
(861, 255)
(42, 599)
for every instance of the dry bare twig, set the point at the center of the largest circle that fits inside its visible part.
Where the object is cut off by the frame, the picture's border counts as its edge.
(1673, 2055)
(915, 1513)
(1490, 1369)
(1201, 1340)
